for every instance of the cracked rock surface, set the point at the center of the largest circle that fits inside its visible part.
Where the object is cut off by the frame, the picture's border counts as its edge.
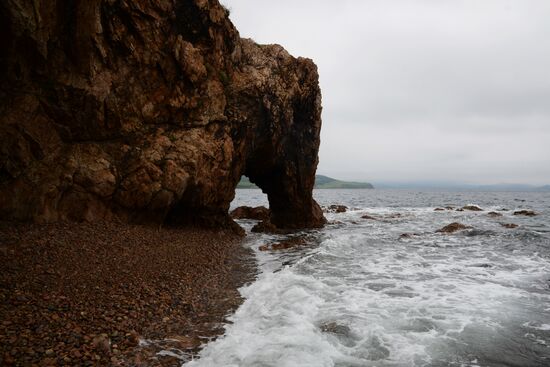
(150, 111)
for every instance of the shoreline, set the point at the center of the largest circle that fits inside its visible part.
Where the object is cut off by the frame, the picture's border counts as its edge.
(115, 294)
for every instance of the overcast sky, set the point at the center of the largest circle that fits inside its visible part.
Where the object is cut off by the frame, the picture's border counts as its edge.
(416, 90)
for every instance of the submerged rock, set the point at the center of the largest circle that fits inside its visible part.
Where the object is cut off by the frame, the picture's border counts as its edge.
(494, 214)
(265, 226)
(335, 208)
(284, 245)
(150, 112)
(439, 210)
(509, 225)
(335, 328)
(528, 213)
(479, 232)
(473, 208)
(247, 212)
(367, 216)
(453, 227)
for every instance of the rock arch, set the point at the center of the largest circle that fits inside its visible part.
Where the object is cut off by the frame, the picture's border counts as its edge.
(137, 114)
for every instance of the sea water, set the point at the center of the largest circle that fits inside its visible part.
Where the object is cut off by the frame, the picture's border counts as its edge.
(360, 294)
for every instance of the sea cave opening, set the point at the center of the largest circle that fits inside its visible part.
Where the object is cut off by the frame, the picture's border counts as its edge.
(248, 194)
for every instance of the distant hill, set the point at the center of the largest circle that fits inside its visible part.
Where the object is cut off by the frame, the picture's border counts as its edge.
(445, 186)
(245, 183)
(321, 182)
(325, 182)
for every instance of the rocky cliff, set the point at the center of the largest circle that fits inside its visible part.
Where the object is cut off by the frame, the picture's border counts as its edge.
(150, 111)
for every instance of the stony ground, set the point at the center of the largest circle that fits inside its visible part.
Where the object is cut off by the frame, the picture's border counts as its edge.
(87, 294)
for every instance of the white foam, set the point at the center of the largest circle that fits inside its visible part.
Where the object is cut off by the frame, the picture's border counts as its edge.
(544, 327)
(412, 302)
(275, 326)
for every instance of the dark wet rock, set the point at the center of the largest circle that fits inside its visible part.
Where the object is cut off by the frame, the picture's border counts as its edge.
(459, 210)
(509, 225)
(336, 208)
(439, 209)
(335, 328)
(394, 216)
(528, 213)
(150, 112)
(247, 212)
(290, 243)
(284, 245)
(449, 208)
(367, 216)
(265, 226)
(339, 208)
(494, 214)
(453, 227)
(473, 208)
(344, 334)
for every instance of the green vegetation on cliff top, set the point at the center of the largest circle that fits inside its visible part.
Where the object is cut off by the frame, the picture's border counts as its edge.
(321, 182)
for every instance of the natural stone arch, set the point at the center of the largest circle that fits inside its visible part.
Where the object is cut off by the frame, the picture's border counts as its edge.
(285, 172)
(137, 114)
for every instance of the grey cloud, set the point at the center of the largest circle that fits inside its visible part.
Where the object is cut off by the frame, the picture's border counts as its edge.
(422, 89)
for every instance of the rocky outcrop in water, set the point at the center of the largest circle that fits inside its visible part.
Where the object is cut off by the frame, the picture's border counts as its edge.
(335, 208)
(473, 208)
(509, 225)
(528, 213)
(453, 227)
(150, 111)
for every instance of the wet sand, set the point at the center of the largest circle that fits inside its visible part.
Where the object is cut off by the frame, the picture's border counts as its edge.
(87, 294)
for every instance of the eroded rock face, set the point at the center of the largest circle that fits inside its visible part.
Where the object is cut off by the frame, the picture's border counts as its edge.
(150, 111)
